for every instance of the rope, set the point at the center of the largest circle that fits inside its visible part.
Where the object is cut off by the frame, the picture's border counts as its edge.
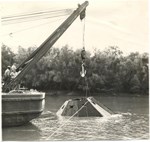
(83, 60)
(24, 15)
(87, 114)
(86, 83)
(66, 121)
(31, 19)
(31, 27)
(84, 34)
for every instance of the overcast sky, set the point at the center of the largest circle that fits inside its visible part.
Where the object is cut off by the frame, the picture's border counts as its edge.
(122, 23)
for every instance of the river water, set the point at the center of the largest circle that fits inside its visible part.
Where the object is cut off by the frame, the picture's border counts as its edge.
(131, 122)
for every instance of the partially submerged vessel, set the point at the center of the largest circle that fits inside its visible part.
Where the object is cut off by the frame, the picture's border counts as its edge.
(84, 107)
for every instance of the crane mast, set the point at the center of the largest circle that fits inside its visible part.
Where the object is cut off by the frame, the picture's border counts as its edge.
(27, 64)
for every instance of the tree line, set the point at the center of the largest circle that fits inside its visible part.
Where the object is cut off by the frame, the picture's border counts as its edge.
(107, 71)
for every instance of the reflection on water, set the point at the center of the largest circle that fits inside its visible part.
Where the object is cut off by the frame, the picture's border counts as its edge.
(131, 122)
(22, 133)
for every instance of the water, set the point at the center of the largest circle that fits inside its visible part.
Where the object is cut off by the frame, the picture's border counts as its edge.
(131, 122)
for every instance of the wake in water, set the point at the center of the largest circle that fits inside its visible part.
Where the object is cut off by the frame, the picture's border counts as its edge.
(123, 126)
(48, 114)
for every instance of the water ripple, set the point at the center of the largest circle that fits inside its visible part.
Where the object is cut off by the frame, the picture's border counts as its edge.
(125, 126)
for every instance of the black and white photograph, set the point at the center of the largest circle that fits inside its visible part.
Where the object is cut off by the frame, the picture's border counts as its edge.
(74, 70)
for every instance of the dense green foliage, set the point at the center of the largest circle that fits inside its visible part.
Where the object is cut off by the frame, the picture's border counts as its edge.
(107, 71)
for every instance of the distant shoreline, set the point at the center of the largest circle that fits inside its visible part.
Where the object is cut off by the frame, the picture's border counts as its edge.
(78, 93)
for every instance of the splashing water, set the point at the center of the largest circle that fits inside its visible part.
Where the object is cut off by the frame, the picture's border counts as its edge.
(123, 126)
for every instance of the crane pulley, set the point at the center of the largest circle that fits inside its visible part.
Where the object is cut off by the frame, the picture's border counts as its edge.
(82, 15)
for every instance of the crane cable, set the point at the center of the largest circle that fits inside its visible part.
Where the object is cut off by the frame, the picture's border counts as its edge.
(83, 53)
(83, 57)
(14, 21)
(28, 28)
(83, 64)
(35, 14)
(84, 34)
(24, 15)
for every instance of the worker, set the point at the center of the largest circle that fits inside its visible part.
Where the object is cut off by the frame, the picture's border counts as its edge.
(7, 74)
(13, 67)
(13, 72)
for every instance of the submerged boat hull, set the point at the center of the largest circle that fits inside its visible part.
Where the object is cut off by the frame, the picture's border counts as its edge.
(18, 109)
(84, 107)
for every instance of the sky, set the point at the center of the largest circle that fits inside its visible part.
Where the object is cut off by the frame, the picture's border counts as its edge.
(122, 23)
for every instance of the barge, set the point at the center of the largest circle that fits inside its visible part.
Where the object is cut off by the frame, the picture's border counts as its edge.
(20, 108)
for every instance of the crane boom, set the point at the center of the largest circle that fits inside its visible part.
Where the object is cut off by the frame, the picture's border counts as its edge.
(44, 47)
